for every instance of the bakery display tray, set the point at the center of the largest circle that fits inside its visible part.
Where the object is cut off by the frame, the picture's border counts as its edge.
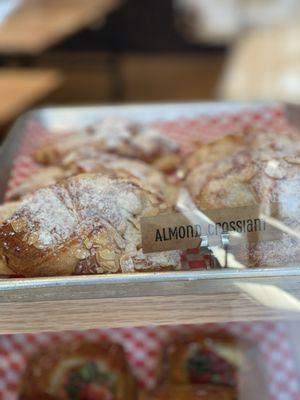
(183, 297)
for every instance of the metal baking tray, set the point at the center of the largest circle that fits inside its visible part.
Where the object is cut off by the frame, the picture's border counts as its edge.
(59, 303)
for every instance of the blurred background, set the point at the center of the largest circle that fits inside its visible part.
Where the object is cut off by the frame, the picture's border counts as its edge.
(113, 51)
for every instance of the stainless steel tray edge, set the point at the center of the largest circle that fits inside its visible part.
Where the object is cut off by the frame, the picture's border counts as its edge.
(143, 285)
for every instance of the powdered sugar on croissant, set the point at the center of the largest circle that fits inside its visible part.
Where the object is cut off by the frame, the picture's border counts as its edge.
(121, 137)
(84, 224)
(152, 179)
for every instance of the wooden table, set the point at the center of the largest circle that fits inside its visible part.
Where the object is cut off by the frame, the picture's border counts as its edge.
(20, 89)
(264, 65)
(39, 24)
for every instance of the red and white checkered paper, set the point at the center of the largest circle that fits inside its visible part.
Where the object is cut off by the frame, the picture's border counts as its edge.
(143, 345)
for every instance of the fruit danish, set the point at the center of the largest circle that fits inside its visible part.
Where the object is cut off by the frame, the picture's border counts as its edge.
(204, 359)
(87, 224)
(78, 371)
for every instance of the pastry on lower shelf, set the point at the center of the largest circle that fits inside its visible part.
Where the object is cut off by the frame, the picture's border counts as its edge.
(204, 359)
(39, 179)
(114, 136)
(151, 178)
(192, 392)
(249, 178)
(269, 143)
(6, 211)
(78, 371)
(87, 224)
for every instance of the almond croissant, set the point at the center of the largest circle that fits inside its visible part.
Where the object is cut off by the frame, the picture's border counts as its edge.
(87, 224)
(114, 136)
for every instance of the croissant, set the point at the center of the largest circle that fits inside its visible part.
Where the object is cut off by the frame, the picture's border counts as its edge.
(152, 179)
(110, 134)
(78, 370)
(51, 152)
(39, 179)
(87, 224)
(150, 176)
(198, 359)
(6, 210)
(248, 178)
(268, 143)
(119, 137)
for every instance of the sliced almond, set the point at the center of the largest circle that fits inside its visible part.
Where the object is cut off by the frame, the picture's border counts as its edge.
(88, 243)
(82, 254)
(38, 245)
(130, 248)
(122, 228)
(247, 173)
(111, 266)
(126, 263)
(98, 258)
(106, 254)
(164, 206)
(154, 200)
(119, 241)
(19, 225)
(33, 238)
(25, 237)
(293, 159)
(100, 239)
(275, 170)
(151, 212)
(100, 269)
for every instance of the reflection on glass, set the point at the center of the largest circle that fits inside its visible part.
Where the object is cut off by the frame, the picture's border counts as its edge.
(7, 7)
(270, 296)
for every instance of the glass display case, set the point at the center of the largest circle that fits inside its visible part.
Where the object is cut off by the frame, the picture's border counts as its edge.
(180, 220)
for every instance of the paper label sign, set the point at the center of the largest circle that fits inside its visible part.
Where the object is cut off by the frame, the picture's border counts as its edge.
(185, 231)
